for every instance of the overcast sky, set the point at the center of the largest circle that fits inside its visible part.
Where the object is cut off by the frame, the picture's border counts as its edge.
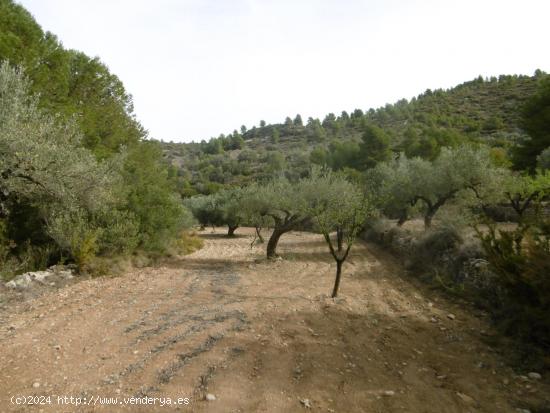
(198, 68)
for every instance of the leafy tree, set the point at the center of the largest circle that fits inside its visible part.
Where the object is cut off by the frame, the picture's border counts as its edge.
(336, 205)
(151, 198)
(344, 116)
(274, 162)
(521, 190)
(228, 202)
(69, 83)
(393, 188)
(536, 122)
(262, 124)
(283, 203)
(252, 210)
(105, 110)
(221, 208)
(319, 156)
(46, 174)
(298, 120)
(375, 147)
(205, 210)
(455, 170)
(404, 183)
(213, 147)
(329, 121)
(344, 155)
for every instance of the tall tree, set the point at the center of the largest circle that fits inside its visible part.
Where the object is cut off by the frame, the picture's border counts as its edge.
(375, 146)
(536, 122)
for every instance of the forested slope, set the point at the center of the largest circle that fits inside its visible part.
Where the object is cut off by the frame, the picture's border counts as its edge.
(482, 110)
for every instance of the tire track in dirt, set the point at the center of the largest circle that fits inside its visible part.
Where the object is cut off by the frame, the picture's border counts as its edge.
(259, 335)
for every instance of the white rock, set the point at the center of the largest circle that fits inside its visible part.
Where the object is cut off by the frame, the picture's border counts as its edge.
(389, 393)
(306, 403)
(534, 376)
(210, 397)
(40, 276)
(451, 316)
(465, 398)
(11, 284)
(36, 385)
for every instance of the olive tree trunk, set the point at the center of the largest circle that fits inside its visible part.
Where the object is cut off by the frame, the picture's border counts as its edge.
(339, 264)
(273, 241)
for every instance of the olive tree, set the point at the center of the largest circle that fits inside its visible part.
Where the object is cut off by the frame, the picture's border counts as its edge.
(221, 208)
(336, 206)
(521, 191)
(45, 170)
(41, 156)
(205, 210)
(283, 203)
(252, 210)
(406, 183)
(227, 202)
(392, 188)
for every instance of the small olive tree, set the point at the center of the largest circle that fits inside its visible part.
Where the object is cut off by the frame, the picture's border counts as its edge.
(252, 211)
(521, 191)
(336, 206)
(204, 209)
(228, 203)
(221, 208)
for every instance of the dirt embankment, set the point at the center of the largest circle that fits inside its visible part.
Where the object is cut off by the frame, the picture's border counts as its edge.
(259, 336)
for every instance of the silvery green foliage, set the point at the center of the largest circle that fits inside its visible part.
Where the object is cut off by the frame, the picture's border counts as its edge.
(228, 202)
(41, 158)
(253, 208)
(465, 171)
(278, 200)
(336, 205)
(43, 164)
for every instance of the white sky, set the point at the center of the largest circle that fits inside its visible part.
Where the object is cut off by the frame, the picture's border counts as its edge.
(198, 68)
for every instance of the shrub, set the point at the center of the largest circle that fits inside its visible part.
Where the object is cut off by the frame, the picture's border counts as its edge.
(75, 235)
(188, 242)
(120, 234)
(521, 259)
(435, 247)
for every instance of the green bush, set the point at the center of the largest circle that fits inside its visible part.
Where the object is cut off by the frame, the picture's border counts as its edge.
(150, 197)
(75, 235)
(120, 233)
(521, 259)
(434, 247)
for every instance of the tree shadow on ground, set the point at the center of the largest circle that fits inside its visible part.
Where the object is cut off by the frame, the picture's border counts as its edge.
(206, 264)
(339, 359)
(307, 256)
(217, 235)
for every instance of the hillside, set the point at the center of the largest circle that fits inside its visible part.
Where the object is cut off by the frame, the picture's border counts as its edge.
(482, 110)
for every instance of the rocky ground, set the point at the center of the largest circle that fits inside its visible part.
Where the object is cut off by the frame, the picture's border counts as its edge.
(234, 333)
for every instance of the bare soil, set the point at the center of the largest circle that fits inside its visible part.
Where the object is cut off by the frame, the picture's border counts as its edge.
(260, 336)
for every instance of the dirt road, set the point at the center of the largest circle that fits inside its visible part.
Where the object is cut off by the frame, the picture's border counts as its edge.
(259, 336)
